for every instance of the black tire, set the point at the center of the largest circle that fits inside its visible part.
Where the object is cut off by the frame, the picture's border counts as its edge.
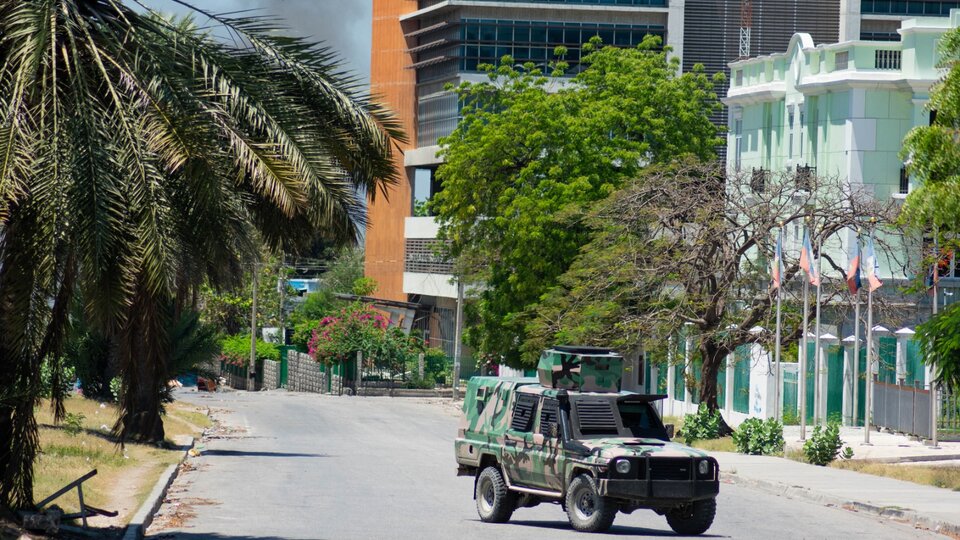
(693, 519)
(495, 503)
(586, 509)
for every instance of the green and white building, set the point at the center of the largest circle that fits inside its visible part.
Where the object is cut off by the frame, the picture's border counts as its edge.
(841, 109)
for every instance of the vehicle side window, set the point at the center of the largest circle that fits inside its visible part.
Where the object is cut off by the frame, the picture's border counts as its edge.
(523, 411)
(549, 415)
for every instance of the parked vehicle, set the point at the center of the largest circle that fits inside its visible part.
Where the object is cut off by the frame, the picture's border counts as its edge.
(571, 437)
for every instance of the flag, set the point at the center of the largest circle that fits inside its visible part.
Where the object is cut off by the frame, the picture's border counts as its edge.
(806, 259)
(776, 268)
(853, 271)
(873, 267)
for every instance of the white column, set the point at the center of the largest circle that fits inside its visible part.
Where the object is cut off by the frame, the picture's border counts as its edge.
(654, 377)
(675, 13)
(849, 20)
(849, 381)
(903, 335)
(826, 341)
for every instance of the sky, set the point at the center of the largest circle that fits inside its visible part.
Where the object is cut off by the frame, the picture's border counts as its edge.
(343, 25)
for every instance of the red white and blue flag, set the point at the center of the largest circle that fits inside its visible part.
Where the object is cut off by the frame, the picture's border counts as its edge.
(873, 267)
(806, 260)
(853, 270)
(776, 268)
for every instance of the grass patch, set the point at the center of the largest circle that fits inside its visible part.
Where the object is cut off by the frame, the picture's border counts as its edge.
(723, 444)
(941, 477)
(124, 476)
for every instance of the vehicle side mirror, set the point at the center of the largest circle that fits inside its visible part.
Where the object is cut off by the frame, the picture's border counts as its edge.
(554, 431)
(670, 430)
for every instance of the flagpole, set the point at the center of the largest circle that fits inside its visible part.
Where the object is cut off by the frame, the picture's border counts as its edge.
(777, 399)
(802, 377)
(936, 300)
(817, 355)
(856, 352)
(869, 387)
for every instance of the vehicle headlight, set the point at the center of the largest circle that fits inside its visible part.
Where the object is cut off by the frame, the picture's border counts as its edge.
(623, 466)
(703, 467)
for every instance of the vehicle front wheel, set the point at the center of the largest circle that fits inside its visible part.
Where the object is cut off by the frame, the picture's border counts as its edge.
(586, 509)
(495, 503)
(694, 518)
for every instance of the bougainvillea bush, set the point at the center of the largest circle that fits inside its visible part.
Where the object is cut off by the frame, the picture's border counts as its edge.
(360, 327)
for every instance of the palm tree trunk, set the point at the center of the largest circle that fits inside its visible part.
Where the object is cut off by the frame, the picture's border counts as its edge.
(19, 441)
(142, 352)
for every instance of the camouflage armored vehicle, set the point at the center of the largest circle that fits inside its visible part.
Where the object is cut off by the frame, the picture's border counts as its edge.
(572, 437)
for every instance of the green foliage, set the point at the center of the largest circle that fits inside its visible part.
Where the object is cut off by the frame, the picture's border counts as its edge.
(847, 453)
(526, 162)
(823, 445)
(361, 328)
(790, 417)
(345, 268)
(759, 437)
(235, 350)
(73, 423)
(703, 425)
(364, 286)
(116, 386)
(939, 340)
(228, 310)
(54, 383)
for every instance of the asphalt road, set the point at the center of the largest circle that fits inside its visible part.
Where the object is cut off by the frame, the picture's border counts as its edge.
(305, 466)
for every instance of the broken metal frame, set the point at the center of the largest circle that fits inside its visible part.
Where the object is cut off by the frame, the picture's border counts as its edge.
(85, 509)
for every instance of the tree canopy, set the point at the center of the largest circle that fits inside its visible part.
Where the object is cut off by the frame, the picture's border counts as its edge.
(140, 156)
(533, 153)
(687, 245)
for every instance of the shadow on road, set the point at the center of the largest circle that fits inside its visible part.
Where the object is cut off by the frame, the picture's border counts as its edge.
(204, 536)
(614, 531)
(245, 453)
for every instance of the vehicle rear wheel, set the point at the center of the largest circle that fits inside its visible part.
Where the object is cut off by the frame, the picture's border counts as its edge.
(694, 518)
(586, 509)
(495, 503)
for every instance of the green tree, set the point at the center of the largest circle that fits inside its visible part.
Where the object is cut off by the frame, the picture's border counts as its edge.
(533, 153)
(932, 209)
(142, 157)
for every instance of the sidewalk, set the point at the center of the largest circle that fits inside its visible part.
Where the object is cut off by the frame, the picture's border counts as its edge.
(924, 506)
(884, 447)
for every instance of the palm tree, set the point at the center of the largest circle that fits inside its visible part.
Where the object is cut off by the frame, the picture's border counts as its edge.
(140, 156)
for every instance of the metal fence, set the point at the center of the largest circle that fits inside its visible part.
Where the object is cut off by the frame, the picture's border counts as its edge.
(948, 424)
(902, 408)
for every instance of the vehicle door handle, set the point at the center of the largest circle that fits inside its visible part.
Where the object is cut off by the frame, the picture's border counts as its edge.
(509, 442)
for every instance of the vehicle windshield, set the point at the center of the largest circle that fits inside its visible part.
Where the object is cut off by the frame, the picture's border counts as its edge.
(608, 417)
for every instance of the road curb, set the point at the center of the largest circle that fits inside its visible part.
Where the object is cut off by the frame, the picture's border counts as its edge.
(144, 516)
(904, 515)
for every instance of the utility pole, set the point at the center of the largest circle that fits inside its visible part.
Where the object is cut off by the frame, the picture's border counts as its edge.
(934, 398)
(458, 338)
(283, 289)
(251, 370)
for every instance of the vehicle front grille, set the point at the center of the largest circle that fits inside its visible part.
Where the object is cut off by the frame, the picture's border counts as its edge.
(671, 468)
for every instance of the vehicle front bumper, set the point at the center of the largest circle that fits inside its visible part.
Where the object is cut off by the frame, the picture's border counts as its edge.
(650, 480)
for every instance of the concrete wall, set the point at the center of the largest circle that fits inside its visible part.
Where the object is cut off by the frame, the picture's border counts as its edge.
(271, 375)
(304, 375)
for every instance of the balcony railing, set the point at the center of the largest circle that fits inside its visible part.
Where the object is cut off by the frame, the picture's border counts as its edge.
(887, 59)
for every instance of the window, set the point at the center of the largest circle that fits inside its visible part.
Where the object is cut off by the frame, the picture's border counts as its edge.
(886, 59)
(841, 60)
(758, 180)
(803, 131)
(642, 421)
(804, 177)
(933, 117)
(523, 413)
(738, 143)
(549, 415)
(904, 181)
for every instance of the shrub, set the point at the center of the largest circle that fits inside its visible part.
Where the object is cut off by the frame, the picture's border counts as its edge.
(758, 437)
(823, 445)
(235, 350)
(73, 423)
(51, 378)
(116, 384)
(790, 417)
(703, 425)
